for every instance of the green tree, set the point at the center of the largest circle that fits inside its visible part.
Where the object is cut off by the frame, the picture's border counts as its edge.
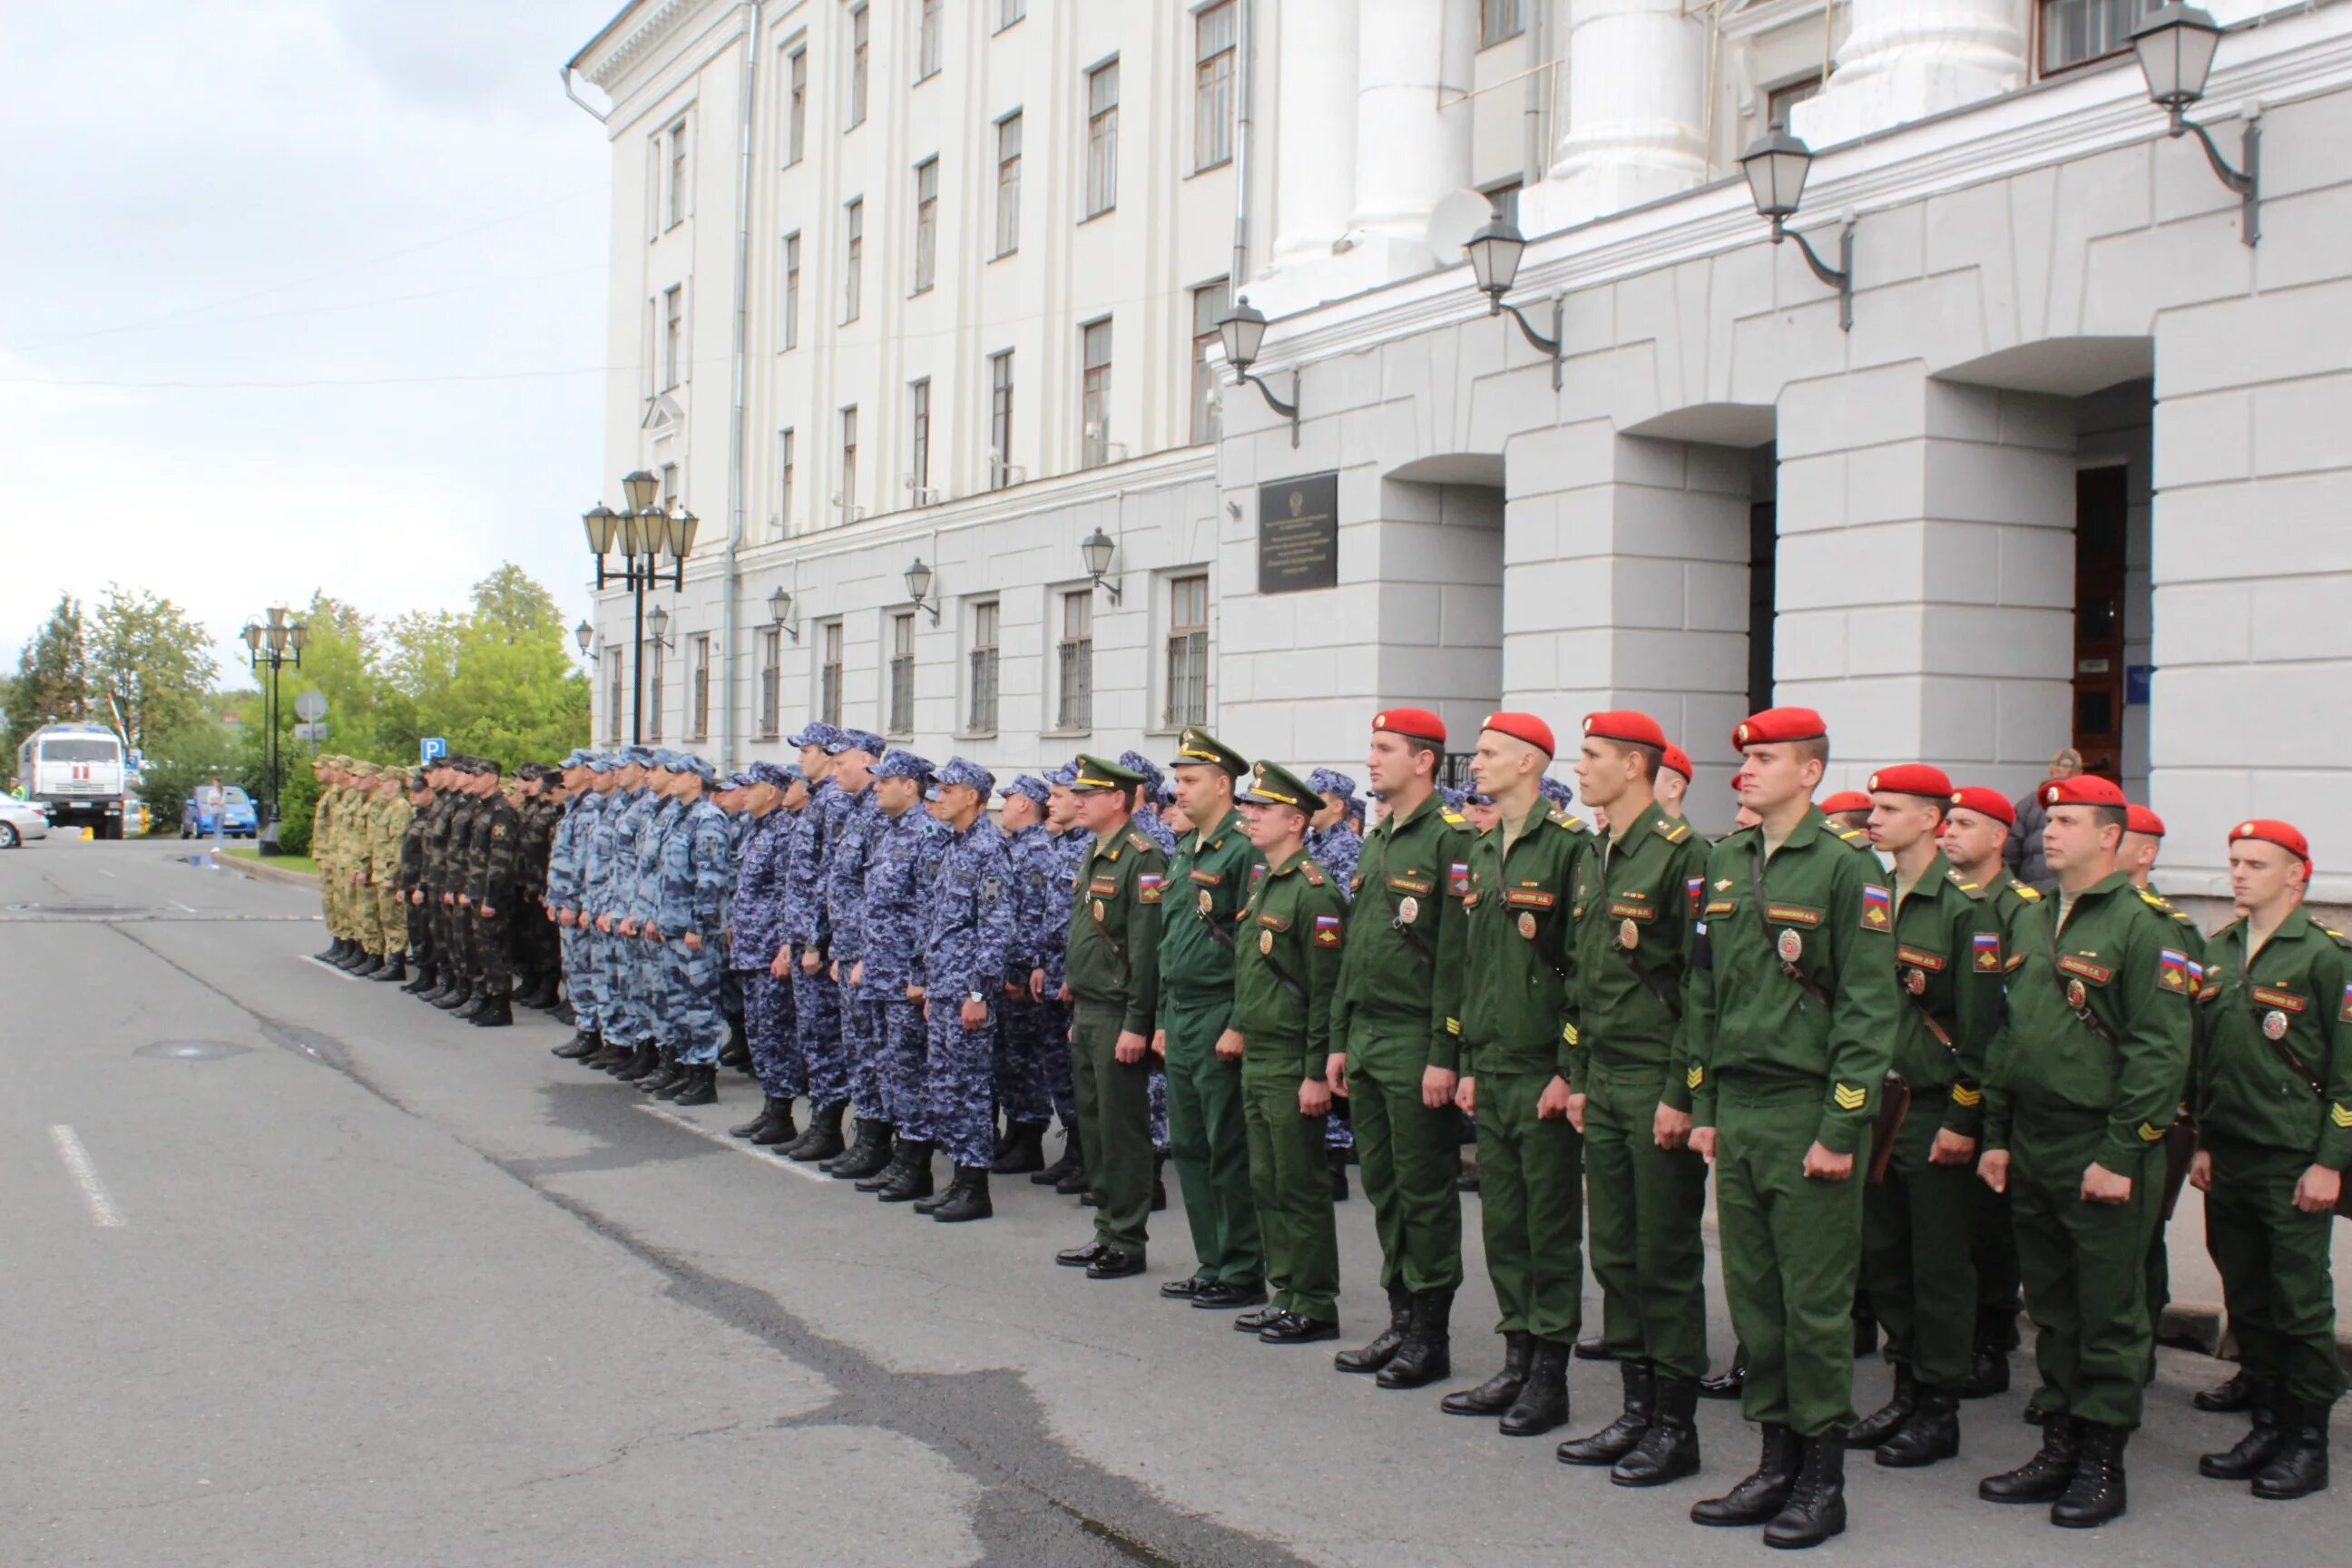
(154, 660)
(513, 693)
(340, 661)
(52, 674)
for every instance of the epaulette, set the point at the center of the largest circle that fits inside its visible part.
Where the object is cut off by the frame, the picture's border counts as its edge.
(1563, 817)
(2337, 937)
(1672, 830)
(1312, 872)
(2156, 902)
(1139, 840)
(2026, 891)
(1962, 883)
(1453, 818)
(1853, 836)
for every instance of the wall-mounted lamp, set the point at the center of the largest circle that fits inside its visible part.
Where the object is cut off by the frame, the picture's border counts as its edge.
(1098, 549)
(780, 615)
(658, 623)
(918, 588)
(1495, 251)
(2176, 46)
(1776, 167)
(1243, 330)
(585, 636)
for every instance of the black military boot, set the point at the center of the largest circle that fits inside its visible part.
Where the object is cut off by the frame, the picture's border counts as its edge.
(455, 995)
(423, 978)
(663, 1073)
(2301, 1466)
(615, 1055)
(1594, 1348)
(1733, 1379)
(1816, 1506)
(701, 1087)
(1074, 1158)
(914, 1178)
(2043, 1477)
(1023, 1151)
(822, 1139)
(2095, 1493)
(1339, 1163)
(1758, 1498)
(1075, 1182)
(875, 1180)
(472, 1006)
(737, 1051)
(542, 998)
(939, 1200)
(395, 970)
(1669, 1449)
(870, 1155)
(1385, 1345)
(2224, 1398)
(369, 966)
(1932, 1432)
(495, 1013)
(580, 1047)
(1617, 1439)
(1887, 1419)
(2258, 1447)
(1542, 1403)
(967, 1198)
(332, 952)
(1989, 1363)
(1497, 1394)
(1427, 1353)
(353, 956)
(783, 1130)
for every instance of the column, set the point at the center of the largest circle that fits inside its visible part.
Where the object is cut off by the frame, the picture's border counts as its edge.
(1636, 107)
(1314, 61)
(1906, 59)
(1409, 152)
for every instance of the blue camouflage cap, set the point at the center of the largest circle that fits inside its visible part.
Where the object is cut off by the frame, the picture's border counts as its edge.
(816, 733)
(769, 773)
(866, 741)
(959, 771)
(739, 779)
(1063, 777)
(1555, 790)
(901, 763)
(687, 762)
(1332, 781)
(1135, 761)
(1028, 785)
(636, 756)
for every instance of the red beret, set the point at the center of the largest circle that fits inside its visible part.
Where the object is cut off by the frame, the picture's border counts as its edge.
(1679, 760)
(2270, 830)
(2143, 821)
(1984, 802)
(2082, 789)
(1415, 723)
(1846, 800)
(1778, 724)
(1626, 726)
(1523, 727)
(1913, 778)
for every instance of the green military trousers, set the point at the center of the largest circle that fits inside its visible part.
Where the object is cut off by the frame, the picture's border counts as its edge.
(1114, 1124)
(1791, 1248)
(1210, 1144)
(1646, 1204)
(1291, 1180)
(1917, 1228)
(2085, 1264)
(1409, 1157)
(1531, 1209)
(2275, 1278)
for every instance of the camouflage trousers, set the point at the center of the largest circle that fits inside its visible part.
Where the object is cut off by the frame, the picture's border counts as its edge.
(1033, 1081)
(817, 1023)
(391, 920)
(688, 1014)
(898, 1066)
(959, 1101)
(1159, 1093)
(861, 1048)
(620, 989)
(776, 1058)
(579, 977)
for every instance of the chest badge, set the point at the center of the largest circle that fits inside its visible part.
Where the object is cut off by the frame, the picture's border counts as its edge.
(1915, 979)
(1629, 935)
(1790, 947)
(2274, 1025)
(1208, 904)
(1265, 942)
(1408, 909)
(1527, 925)
(1099, 911)
(2076, 995)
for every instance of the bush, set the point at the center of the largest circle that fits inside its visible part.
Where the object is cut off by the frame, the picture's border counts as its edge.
(296, 804)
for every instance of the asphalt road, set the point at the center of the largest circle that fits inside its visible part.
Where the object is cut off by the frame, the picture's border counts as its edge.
(360, 1285)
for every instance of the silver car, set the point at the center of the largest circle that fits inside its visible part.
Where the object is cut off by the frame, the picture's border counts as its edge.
(19, 822)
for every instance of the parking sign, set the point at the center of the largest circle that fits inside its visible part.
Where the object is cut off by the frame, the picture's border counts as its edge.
(432, 748)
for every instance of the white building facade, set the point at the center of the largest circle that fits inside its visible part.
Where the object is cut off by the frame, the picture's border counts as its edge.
(2079, 472)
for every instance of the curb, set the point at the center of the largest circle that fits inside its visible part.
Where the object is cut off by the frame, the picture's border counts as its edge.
(267, 872)
(2201, 1326)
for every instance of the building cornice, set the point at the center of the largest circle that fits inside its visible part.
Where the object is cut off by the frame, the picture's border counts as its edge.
(609, 55)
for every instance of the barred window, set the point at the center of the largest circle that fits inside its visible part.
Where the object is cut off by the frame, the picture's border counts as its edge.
(1075, 709)
(980, 717)
(902, 673)
(697, 665)
(771, 681)
(828, 680)
(1188, 652)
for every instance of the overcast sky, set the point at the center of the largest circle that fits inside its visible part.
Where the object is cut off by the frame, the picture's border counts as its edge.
(296, 294)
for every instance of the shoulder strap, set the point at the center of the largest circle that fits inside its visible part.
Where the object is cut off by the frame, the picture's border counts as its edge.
(1810, 987)
(2088, 1019)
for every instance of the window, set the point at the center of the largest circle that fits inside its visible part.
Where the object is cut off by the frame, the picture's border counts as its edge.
(792, 290)
(796, 110)
(2076, 32)
(784, 477)
(673, 332)
(771, 681)
(1102, 139)
(982, 719)
(1008, 183)
(1076, 708)
(1786, 97)
(847, 499)
(853, 273)
(698, 676)
(919, 455)
(1000, 419)
(828, 675)
(654, 661)
(1188, 652)
(1008, 12)
(1213, 85)
(1500, 19)
(677, 187)
(1504, 200)
(616, 657)
(1210, 304)
(669, 487)
(1095, 410)
(927, 224)
(861, 46)
(902, 673)
(926, 42)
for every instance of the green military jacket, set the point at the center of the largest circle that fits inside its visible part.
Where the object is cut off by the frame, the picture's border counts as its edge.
(1294, 934)
(2276, 1069)
(1948, 958)
(1402, 965)
(1114, 945)
(1208, 883)
(1800, 986)
(1636, 898)
(1519, 1004)
(2098, 1018)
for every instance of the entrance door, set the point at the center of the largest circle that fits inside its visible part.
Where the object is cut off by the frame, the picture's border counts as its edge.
(2099, 509)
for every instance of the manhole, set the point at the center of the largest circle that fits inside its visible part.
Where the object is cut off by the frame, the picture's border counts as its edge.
(192, 1050)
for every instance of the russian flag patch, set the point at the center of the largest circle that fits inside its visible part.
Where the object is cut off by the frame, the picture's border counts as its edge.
(1988, 950)
(1326, 931)
(2172, 969)
(1877, 908)
(1696, 889)
(1148, 885)
(1458, 878)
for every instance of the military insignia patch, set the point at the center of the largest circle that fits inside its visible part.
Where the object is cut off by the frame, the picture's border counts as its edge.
(1099, 911)
(1457, 877)
(1408, 911)
(1877, 908)
(2076, 995)
(1849, 1097)
(1720, 906)
(2150, 1133)
(1697, 889)
(1963, 1095)
(1148, 885)
(1265, 942)
(1722, 884)
(2274, 1025)
(1629, 936)
(1790, 947)
(1988, 952)
(1527, 926)
(1694, 1077)
(2172, 969)
(1208, 904)
(2339, 1115)
(1326, 931)
(1915, 981)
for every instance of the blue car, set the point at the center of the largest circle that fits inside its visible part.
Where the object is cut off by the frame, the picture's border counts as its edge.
(236, 817)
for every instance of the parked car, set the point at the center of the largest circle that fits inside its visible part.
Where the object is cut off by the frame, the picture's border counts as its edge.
(237, 818)
(20, 820)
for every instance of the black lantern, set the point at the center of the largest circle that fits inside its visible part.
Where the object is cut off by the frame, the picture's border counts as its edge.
(1097, 551)
(918, 588)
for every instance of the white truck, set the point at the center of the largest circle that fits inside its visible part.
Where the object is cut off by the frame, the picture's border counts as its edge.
(77, 773)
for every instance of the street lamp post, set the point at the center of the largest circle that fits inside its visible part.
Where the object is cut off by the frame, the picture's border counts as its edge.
(641, 536)
(274, 642)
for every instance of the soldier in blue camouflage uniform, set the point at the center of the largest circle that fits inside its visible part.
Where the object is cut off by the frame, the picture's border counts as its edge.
(879, 945)
(567, 859)
(730, 797)
(1334, 843)
(967, 911)
(611, 869)
(1149, 800)
(1068, 844)
(649, 1018)
(755, 943)
(805, 929)
(1035, 895)
(852, 832)
(696, 861)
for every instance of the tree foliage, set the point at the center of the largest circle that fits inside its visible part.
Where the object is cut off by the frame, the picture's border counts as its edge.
(154, 660)
(52, 674)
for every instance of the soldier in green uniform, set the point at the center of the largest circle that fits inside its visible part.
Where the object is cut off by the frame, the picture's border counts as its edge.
(2082, 1083)
(1792, 1005)
(2143, 842)
(1210, 879)
(1113, 976)
(1636, 896)
(2274, 1100)
(1293, 931)
(1395, 1031)
(1919, 1214)
(1518, 1034)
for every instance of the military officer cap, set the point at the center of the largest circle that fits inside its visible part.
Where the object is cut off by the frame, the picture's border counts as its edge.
(864, 740)
(1089, 775)
(771, 775)
(1524, 727)
(1271, 784)
(2285, 835)
(600, 762)
(1846, 800)
(901, 763)
(1197, 748)
(959, 771)
(1778, 726)
(1028, 785)
(816, 733)
(2138, 820)
(1679, 760)
(1985, 802)
(1332, 781)
(1063, 777)
(1911, 778)
(1144, 769)
(2082, 789)
(1412, 723)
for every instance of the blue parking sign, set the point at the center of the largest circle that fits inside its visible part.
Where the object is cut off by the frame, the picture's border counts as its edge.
(431, 748)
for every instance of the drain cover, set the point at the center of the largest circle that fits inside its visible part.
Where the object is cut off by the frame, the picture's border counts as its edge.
(192, 1050)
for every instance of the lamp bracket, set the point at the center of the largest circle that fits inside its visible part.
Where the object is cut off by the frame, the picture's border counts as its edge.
(931, 605)
(2248, 184)
(1840, 278)
(1108, 586)
(1553, 346)
(1287, 410)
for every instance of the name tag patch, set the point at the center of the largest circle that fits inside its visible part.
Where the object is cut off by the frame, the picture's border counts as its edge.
(2284, 1001)
(1789, 914)
(1632, 912)
(1931, 962)
(1528, 899)
(1103, 886)
(2094, 973)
